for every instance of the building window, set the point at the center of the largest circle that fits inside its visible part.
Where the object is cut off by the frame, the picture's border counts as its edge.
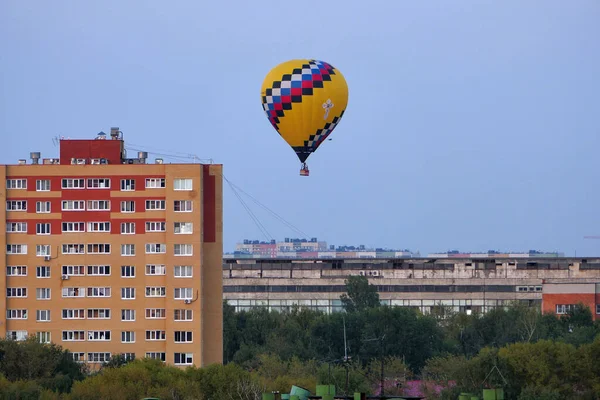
(127, 315)
(182, 228)
(16, 227)
(128, 249)
(42, 185)
(43, 272)
(42, 315)
(71, 248)
(73, 292)
(68, 227)
(42, 250)
(155, 291)
(42, 294)
(42, 207)
(156, 356)
(182, 315)
(182, 206)
(183, 250)
(98, 205)
(155, 248)
(127, 271)
(16, 249)
(73, 205)
(153, 269)
(98, 357)
(16, 205)
(129, 356)
(183, 293)
(127, 185)
(73, 270)
(78, 357)
(42, 229)
(155, 205)
(43, 337)
(127, 228)
(182, 271)
(156, 335)
(16, 335)
(98, 313)
(16, 270)
(155, 226)
(69, 183)
(16, 314)
(127, 337)
(155, 313)
(98, 183)
(73, 336)
(16, 183)
(128, 206)
(127, 293)
(182, 184)
(98, 291)
(97, 336)
(101, 248)
(564, 308)
(155, 183)
(98, 226)
(98, 270)
(183, 337)
(183, 358)
(73, 313)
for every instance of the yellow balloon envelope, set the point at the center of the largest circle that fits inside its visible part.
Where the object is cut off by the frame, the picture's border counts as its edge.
(304, 100)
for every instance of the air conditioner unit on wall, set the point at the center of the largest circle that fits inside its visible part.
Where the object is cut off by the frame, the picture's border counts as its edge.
(47, 258)
(187, 301)
(64, 277)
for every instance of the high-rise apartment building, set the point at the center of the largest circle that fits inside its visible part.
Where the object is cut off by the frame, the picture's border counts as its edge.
(111, 255)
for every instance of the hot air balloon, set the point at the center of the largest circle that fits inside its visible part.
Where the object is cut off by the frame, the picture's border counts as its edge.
(304, 100)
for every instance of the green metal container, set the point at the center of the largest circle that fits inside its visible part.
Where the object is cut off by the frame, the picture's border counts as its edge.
(360, 396)
(499, 394)
(327, 397)
(268, 396)
(489, 394)
(474, 398)
(300, 392)
(465, 396)
(325, 389)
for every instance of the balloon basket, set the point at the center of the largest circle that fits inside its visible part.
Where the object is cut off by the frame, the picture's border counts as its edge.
(304, 170)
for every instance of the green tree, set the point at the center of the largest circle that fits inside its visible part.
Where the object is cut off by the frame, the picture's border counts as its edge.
(360, 294)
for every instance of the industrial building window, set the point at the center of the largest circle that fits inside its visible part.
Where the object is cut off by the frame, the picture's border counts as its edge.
(98, 291)
(73, 205)
(98, 357)
(127, 185)
(156, 335)
(127, 293)
(16, 183)
(182, 184)
(127, 271)
(182, 206)
(183, 249)
(43, 272)
(16, 227)
(155, 291)
(16, 270)
(155, 205)
(183, 293)
(182, 315)
(153, 269)
(73, 313)
(43, 337)
(155, 183)
(156, 356)
(73, 248)
(98, 205)
(16, 205)
(127, 206)
(70, 183)
(183, 228)
(128, 249)
(98, 270)
(98, 183)
(73, 292)
(73, 336)
(98, 226)
(16, 314)
(182, 271)
(127, 337)
(127, 228)
(42, 250)
(98, 313)
(127, 315)
(73, 227)
(183, 337)
(42, 207)
(16, 249)
(156, 313)
(42, 315)
(42, 229)
(73, 270)
(42, 185)
(183, 358)
(42, 293)
(155, 226)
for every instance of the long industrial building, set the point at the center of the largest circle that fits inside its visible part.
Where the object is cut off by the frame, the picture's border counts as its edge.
(459, 284)
(108, 254)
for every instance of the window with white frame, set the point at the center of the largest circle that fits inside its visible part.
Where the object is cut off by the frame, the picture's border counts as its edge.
(73, 336)
(183, 358)
(127, 185)
(98, 226)
(156, 313)
(78, 357)
(182, 271)
(73, 205)
(43, 271)
(98, 269)
(182, 337)
(42, 294)
(183, 315)
(16, 292)
(16, 314)
(42, 185)
(73, 248)
(98, 248)
(182, 228)
(128, 206)
(127, 293)
(127, 228)
(182, 184)
(155, 248)
(73, 292)
(98, 357)
(42, 228)
(16, 270)
(96, 336)
(43, 250)
(98, 291)
(98, 313)
(16, 249)
(182, 206)
(98, 205)
(183, 293)
(127, 271)
(183, 250)
(128, 249)
(73, 313)
(155, 183)
(16, 227)
(156, 355)
(73, 183)
(16, 183)
(155, 226)
(73, 270)
(98, 183)
(564, 308)
(69, 227)
(16, 335)
(155, 269)
(127, 337)
(16, 205)
(42, 207)
(42, 315)
(129, 356)
(156, 335)
(155, 205)
(155, 291)
(127, 315)
(43, 337)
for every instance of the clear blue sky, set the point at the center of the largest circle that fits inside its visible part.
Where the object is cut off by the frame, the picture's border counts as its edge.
(471, 125)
